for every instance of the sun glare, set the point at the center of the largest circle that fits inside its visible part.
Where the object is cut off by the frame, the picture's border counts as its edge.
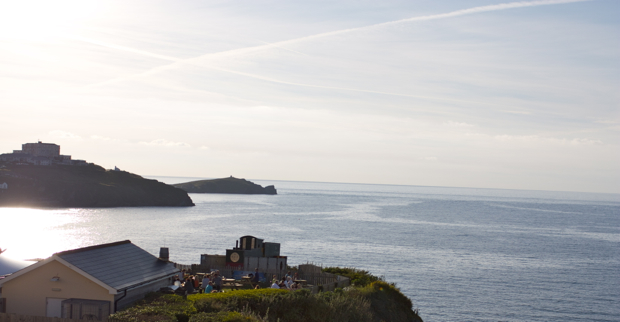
(36, 239)
(42, 20)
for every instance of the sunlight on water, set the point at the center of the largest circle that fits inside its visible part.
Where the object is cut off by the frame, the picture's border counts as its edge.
(34, 233)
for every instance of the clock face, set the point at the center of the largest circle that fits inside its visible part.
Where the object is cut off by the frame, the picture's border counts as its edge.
(234, 257)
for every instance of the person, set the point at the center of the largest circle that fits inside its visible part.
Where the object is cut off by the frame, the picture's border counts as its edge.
(217, 281)
(208, 288)
(282, 283)
(206, 280)
(288, 282)
(189, 284)
(275, 284)
(255, 278)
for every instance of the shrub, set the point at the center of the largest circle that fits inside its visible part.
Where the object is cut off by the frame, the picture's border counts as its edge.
(157, 308)
(225, 317)
(281, 305)
(388, 303)
(358, 277)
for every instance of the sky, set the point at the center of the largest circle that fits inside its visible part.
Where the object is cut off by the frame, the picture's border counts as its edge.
(468, 93)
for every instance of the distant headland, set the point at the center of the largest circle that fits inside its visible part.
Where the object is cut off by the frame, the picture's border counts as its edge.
(39, 176)
(226, 185)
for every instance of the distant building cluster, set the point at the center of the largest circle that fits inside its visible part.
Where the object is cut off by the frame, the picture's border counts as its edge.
(39, 154)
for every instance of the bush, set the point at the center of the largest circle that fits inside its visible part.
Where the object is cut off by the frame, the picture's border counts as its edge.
(358, 277)
(225, 317)
(157, 308)
(388, 303)
(281, 305)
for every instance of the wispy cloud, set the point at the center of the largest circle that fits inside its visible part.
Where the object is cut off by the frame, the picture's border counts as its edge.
(100, 138)
(207, 60)
(166, 143)
(64, 135)
(463, 12)
(457, 124)
(546, 140)
(118, 47)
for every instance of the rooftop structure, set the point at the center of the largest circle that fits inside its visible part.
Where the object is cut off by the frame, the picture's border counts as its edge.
(251, 252)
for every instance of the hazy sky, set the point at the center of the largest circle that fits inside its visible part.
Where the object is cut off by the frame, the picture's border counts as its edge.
(494, 94)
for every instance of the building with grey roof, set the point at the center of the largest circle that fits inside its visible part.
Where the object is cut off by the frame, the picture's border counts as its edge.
(102, 278)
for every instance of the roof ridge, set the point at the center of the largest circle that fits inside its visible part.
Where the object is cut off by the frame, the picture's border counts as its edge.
(78, 250)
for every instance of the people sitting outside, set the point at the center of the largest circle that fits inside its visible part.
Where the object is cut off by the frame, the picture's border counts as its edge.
(289, 282)
(282, 283)
(209, 288)
(294, 286)
(205, 280)
(255, 278)
(217, 281)
(275, 285)
(189, 284)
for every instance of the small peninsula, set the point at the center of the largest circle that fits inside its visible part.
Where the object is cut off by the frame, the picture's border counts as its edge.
(226, 185)
(38, 176)
(87, 186)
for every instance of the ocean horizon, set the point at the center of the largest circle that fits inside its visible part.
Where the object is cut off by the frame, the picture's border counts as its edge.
(460, 254)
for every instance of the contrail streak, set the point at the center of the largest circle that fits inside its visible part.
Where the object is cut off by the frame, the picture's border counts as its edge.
(123, 48)
(497, 7)
(205, 60)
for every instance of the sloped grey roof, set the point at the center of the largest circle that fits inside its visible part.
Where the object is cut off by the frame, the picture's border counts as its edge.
(119, 265)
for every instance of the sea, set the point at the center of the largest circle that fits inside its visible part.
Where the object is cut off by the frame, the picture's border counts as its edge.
(460, 254)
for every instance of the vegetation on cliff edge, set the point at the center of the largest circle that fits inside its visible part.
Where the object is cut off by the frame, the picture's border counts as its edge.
(377, 301)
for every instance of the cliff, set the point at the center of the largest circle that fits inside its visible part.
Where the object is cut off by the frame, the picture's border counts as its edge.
(226, 185)
(84, 187)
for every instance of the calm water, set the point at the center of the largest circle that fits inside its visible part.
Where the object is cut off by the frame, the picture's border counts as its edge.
(459, 254)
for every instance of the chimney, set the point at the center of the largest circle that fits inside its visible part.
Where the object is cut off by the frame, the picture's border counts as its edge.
(164, 254)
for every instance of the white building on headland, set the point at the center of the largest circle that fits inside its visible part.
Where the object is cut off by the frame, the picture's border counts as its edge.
(40, 149)
(39, 154)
